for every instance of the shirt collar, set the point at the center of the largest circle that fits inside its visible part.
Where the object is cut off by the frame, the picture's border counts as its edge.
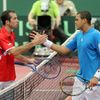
(89, 30)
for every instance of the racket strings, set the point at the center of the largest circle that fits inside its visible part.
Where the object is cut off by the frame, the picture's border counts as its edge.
(67, 85)
(78, 89)
(51, 69)
(70, 87)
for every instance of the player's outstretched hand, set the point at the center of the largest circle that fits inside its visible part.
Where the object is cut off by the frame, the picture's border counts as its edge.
(38, 38)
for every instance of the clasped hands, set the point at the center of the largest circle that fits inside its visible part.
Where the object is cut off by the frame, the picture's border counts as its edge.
(38, 38)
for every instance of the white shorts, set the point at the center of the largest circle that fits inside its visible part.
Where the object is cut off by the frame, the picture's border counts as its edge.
(5, 84)
(93, 94)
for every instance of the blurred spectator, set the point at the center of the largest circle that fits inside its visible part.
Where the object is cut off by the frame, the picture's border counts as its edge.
(97, 24)
(44, 7)
(48, 7)
(66, 7)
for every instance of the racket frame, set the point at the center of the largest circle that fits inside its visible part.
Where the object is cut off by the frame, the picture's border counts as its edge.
(68, 94)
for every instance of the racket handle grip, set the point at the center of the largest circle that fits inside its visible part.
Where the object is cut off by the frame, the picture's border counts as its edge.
(30, 65)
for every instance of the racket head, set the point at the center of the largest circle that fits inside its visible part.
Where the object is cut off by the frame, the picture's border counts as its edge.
(51, 69)
(70, 87)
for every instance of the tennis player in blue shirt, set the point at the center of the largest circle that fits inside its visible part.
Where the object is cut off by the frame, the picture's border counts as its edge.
(87, 42)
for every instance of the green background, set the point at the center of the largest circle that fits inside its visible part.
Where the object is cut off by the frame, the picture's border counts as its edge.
(22, 7)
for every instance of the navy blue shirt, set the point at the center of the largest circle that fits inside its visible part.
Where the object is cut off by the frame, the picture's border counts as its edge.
(88, 46)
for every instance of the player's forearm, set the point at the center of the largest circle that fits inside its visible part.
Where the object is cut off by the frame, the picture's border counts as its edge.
(60, 49)
(21, 58)
(55, 47)
(22, 49)
(38, 39)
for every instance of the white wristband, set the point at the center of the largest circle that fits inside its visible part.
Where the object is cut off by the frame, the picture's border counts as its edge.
(97, 74)
(48, 43)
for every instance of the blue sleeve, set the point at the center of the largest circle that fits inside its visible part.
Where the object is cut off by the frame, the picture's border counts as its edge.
(98, 43)
(72, 45)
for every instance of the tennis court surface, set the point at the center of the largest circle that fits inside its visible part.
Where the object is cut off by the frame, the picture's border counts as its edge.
(31, 86)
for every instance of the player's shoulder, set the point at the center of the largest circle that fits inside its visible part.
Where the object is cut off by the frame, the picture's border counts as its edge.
(2, 34)
(96, 32)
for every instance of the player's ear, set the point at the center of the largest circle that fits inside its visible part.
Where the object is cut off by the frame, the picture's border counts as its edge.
(7, 22)
(85, 20)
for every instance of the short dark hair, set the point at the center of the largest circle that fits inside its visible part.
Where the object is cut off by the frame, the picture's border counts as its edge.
(6, 16)
(85, 15)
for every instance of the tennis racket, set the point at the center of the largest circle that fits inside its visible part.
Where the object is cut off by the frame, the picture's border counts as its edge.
(68, 87)
(48, 68)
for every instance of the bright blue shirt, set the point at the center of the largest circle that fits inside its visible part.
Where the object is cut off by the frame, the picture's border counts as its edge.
(88, 46)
